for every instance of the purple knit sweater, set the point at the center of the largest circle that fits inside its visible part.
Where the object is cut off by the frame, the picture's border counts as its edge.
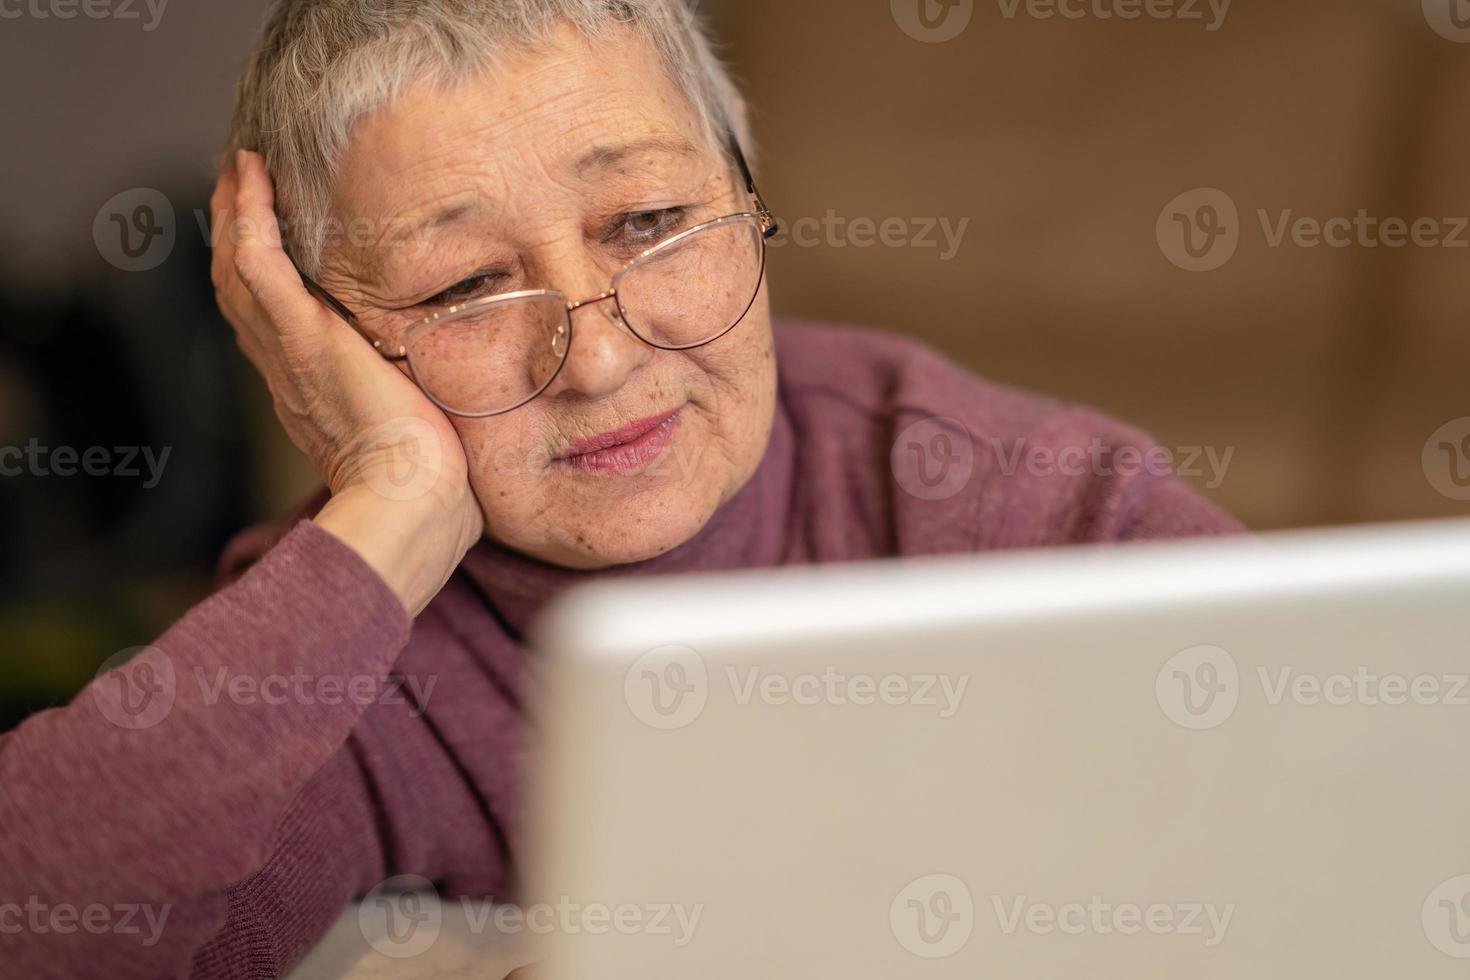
(316, 741)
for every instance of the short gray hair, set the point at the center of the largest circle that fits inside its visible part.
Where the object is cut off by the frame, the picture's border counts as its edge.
(320, 66)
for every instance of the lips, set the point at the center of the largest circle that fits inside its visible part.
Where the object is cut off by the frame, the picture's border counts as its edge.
(626, 449)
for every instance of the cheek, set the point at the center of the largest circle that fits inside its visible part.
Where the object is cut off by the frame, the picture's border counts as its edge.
(739, 372)
(507, 457)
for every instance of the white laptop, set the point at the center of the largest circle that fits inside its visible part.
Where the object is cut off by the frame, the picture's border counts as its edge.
(1205, 760)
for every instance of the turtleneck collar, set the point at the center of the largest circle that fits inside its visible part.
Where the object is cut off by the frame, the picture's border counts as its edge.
(749, 531)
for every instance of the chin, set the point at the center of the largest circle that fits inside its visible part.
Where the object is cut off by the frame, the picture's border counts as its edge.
(614, 554)
(638, 528)
(611, 529)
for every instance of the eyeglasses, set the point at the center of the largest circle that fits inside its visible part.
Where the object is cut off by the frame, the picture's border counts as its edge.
(492, 355)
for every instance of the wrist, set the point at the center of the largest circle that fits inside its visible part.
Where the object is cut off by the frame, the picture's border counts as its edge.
(414, 545)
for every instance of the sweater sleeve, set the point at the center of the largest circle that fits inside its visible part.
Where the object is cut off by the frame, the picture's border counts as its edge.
(128, 815)
(1166, 507)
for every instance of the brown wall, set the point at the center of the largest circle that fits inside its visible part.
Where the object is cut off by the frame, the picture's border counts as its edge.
(1325, 369)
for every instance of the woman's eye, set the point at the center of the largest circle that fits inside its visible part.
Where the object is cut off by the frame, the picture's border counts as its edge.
(480, 284)
(648, 227)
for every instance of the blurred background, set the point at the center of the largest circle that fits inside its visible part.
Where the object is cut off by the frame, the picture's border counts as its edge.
(1237, 225)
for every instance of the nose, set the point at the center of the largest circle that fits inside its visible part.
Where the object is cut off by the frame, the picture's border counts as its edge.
(604, 353)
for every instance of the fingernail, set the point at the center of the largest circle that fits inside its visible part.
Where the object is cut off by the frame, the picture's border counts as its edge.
(240, 161)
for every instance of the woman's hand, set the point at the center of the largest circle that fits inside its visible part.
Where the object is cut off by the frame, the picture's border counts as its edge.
(393, 462)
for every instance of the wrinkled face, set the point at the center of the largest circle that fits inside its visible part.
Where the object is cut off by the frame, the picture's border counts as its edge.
(553, 171)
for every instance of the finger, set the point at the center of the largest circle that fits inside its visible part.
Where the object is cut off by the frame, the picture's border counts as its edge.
(255, 201)
(222, 213)
(235, 300)
(260, 261)
(221, 239)
(226, 185)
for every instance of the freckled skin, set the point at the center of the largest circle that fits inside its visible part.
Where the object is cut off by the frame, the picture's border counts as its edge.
(505, 143)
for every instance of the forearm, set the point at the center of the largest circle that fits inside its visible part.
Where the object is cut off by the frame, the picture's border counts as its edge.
(155, 793)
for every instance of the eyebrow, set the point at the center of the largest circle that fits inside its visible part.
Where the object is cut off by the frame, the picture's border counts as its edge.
(607, 157)
(444, 216)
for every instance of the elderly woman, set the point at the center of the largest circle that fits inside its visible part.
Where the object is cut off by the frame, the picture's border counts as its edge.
(515, 314)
